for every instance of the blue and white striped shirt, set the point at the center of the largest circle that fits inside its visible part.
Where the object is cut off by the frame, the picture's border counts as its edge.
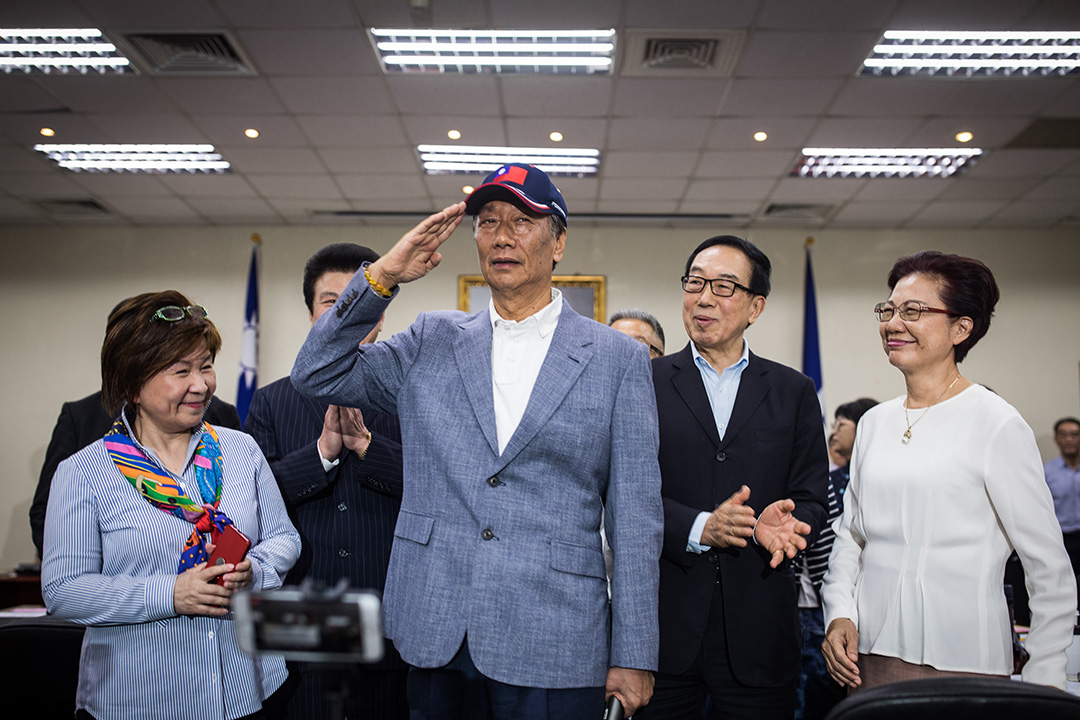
(110, 561)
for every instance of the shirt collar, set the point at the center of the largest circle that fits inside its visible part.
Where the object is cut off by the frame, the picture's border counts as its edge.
(739, 364)
(544, 320)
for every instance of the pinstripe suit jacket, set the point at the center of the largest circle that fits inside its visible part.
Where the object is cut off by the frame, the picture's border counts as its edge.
(345, 517)
(506, 547)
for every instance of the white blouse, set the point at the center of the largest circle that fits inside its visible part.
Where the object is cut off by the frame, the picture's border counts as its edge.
(920, 551)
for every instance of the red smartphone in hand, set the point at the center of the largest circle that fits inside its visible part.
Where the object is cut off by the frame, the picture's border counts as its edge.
(230, 546)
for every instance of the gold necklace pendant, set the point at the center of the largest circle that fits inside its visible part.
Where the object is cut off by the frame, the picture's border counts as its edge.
(907, 436)
(907, 433)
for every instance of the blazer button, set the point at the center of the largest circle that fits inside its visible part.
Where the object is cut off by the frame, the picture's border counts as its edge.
(487, 534)
(343, 553)
(494, 481)
(712, 558)
(721, 456)
(342, 506)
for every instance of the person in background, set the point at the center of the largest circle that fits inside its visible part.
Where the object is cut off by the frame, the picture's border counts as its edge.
(81, 422)
(641, 326)
(817, 693)
(134, 516)
(1063, 478)
(339, 471)
(945, 481)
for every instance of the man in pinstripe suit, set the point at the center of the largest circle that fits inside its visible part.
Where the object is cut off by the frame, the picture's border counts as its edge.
(340, 474)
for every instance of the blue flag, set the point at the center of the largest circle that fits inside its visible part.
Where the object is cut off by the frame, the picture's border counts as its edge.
(249, 346)
(811, 350)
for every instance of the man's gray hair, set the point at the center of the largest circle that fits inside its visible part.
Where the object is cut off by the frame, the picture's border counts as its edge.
(636, 314)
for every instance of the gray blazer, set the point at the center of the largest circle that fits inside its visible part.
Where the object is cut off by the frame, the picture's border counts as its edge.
(506, 548)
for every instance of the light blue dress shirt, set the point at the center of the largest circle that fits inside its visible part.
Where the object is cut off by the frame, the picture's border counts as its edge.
(721, 389)
(110, 561)
(1064, 483)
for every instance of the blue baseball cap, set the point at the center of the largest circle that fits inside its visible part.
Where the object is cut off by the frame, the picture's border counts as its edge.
(519, 182)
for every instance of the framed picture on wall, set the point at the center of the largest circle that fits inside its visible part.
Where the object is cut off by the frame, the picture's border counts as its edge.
(585, 293)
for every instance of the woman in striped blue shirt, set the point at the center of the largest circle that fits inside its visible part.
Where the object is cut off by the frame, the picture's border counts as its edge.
(131, 522)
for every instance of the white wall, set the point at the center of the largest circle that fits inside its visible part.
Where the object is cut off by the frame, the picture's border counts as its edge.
(58, 284)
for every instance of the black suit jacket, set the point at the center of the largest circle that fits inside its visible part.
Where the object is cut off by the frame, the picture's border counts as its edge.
(81, 422)
(345, 517)
(775, 445)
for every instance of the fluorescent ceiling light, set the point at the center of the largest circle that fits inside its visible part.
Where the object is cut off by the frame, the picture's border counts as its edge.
(974, 53)
(136, 158)
(883, 162)
(49, 50)
(477, 159)
(495, 51)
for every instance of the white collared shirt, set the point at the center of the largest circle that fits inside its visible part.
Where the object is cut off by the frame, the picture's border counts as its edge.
(518, 350)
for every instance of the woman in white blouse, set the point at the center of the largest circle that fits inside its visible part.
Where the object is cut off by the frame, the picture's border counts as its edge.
(946, 480)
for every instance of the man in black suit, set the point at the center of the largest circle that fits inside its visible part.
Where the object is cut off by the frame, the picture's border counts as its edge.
(737, 432)
(340, 474)
(81, 422)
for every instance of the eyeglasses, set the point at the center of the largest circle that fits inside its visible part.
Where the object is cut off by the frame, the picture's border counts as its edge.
(718, 286)
(909, 311)
(172, 313)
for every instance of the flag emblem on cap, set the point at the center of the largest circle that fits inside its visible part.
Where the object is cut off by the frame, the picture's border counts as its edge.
(512, 174)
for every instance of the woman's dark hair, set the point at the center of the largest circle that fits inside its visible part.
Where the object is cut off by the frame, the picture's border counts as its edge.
(761, 268)
(968, 288)
(855, 409)
(136, 348)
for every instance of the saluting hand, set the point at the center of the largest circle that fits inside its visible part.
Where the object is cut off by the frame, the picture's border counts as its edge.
(416, 253)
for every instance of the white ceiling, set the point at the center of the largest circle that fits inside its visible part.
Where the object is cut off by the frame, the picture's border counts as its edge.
(338, 134)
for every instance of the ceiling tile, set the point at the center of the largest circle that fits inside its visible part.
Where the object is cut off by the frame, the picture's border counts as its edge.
(780, 96)
(958, 14)
(835, 14)
(157, 209)
(224, 186)
(253, 159)
(381, 186)
(637, 207)
(988, 132)
(314, 53)
(234, 210)
(660, 96)
(877, 214)
(1022, 163)
(108, 94)
(642, 189)
(577, 132)
(1027, 214)
(577, 191)
(630, 164)
(738, 133)
(725, 190)
(24, 129)
(17, 212)
(40, 185)
(121, 184)
(761, 163)
(442, 14)
(802, 190)
(221, 96)
(719, 207)
(16, 159)
(865, 132)
(1058, 188)
(307, 14)
(274, 130)
(475, 129)
(333, 95)
(157, 128)
(951, 214)
(55, 13)
(914, 96)
(805, 54)
(352, 130)
(359, 161)
(691, 14)
(645, 134)
(562, 96)
(901, 189)
(296, 186)
(973, 188)
(22, 94)
(449, 94)
(555, 14)
(1065, 105)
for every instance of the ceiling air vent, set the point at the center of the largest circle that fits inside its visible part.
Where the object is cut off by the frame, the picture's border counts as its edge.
(797, 212)
(681, 53)
(71, 208)
(200, 54)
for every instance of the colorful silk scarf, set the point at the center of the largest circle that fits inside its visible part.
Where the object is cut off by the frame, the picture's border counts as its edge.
(166, 494)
